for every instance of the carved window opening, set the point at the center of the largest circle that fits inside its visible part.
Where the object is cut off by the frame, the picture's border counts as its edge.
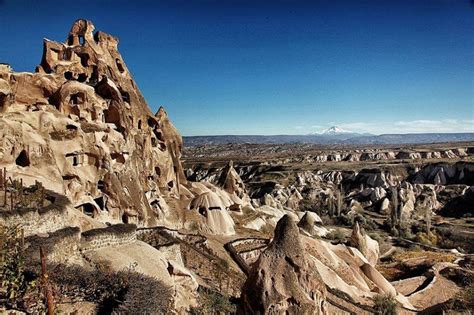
(75, 159)
(158, 171)
(151, 122)
(84, 59)
(159, 135)
(23, 159)
(125, 218)
(112, 115)
(125, 96)
(64, 55)
(87, 209)
(118, 157)
(69, 177)
(77, 99)
(95, 75)
(100, 202)
(68, 75)
(82, 77)
(100, 185)
(140, 124)
(81, 40)
(119, 65)
(3, 101)
(170, 184)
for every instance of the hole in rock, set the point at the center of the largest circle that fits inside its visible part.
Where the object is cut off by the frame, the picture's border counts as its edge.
(100, 202)
(69, 177)
(87, 208)
(118, 157)
(3, 101)
(68, 75)
(100, 185)
(23, 159)
(125, 96)
(84, 59)
(119, 65)
(202, 211)
(125, 218)
(158, 170)
(82, 77)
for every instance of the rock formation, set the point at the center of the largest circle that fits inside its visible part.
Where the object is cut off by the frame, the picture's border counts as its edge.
(81, 127)
(283, 280)
(365, 244)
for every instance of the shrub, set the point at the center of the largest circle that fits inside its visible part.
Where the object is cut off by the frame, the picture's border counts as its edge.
(18, 289)
(212, 302)
(426, 238)
(120, 292)
(337, 235)
(385, 305)
(464, 300)
(267, 229)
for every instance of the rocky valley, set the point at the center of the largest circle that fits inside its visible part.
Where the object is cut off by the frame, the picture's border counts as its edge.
(104, 210)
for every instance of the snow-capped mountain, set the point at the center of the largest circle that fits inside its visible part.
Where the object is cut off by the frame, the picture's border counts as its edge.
(334, 130)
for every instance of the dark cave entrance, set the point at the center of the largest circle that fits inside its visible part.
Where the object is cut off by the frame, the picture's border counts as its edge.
(23, 159)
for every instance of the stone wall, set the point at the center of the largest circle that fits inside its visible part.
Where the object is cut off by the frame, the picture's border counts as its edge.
(120, 234)
(38, 221)
(57, 246)
(66, 243)
(162, 235)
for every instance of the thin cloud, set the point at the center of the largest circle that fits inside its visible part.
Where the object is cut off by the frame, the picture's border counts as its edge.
(317, 127)
(445, 125)
(409, 126)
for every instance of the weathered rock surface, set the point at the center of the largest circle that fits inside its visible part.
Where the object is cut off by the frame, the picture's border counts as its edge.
(283, 280)
(81, 127)
(365, 244)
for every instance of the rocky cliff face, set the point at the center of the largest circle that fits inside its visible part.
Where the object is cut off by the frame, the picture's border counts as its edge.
(81, 126)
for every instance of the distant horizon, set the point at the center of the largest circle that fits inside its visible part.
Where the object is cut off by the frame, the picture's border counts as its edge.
(319, 134)
(241, 67)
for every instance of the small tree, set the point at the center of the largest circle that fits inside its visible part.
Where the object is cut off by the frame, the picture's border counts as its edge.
(331, 209)
(428, 219)
(16, 288)
(394, 217)
(385, 305)
(339, 201)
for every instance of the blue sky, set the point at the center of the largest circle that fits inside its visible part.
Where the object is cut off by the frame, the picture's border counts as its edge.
(277, 67)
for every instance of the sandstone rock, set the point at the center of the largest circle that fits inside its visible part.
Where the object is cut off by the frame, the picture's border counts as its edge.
(311, 223)
(283, 280)
(81, 127)
(212, 208)
(365, 244)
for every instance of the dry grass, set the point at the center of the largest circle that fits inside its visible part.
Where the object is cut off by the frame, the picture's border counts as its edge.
(396, 269)
(433, 257)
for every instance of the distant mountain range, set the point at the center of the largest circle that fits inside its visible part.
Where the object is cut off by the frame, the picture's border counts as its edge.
(333, 135)
(335, 130)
